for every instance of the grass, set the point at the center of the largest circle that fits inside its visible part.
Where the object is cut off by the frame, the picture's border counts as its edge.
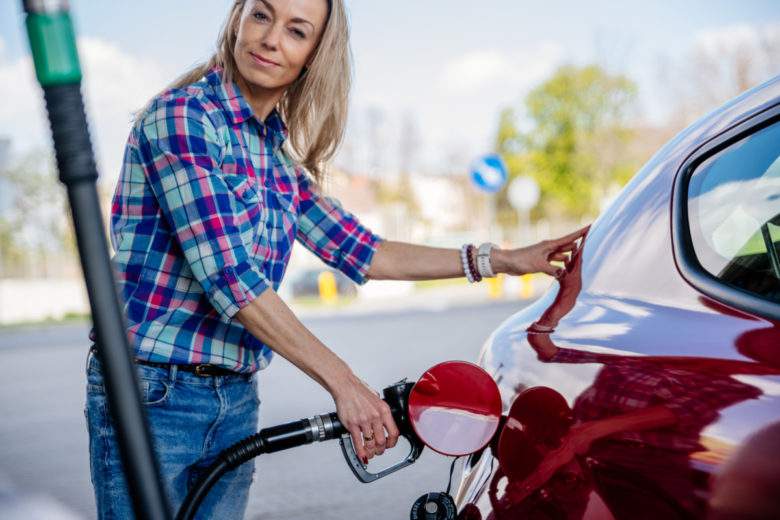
(69, 317)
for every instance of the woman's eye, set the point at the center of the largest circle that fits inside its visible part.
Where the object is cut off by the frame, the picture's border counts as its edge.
(260, 16)
(298, 33)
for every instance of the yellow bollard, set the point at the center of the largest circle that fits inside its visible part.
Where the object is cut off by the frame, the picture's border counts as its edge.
(329, 293)
(527, 286)
(496, 286)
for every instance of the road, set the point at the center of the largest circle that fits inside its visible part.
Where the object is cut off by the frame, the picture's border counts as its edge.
(43, 439)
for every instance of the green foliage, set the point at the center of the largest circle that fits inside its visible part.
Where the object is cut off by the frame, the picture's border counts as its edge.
(507, 145)
(36, 226)
(576, 148)
(400, 192)
(11, 253)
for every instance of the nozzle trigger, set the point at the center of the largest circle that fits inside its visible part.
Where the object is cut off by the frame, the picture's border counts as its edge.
(359, 469)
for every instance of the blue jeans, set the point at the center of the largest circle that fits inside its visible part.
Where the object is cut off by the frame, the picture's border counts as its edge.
(191, 418)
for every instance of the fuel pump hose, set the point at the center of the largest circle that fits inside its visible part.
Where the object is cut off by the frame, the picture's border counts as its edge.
(268, 440)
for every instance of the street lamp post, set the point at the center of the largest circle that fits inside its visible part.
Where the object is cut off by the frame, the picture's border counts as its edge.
(523, 194)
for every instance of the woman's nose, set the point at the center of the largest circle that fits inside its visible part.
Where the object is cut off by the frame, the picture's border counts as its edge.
(271, 37)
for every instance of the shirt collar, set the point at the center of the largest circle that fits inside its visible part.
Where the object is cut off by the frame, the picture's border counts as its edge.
(238, 110)
(276, 128)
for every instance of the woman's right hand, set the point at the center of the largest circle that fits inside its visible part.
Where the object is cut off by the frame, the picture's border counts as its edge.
(365, 415)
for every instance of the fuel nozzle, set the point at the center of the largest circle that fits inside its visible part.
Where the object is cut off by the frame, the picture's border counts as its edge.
(327, 426)
(397, 398)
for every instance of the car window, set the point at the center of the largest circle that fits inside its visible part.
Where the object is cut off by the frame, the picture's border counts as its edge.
(734, 214)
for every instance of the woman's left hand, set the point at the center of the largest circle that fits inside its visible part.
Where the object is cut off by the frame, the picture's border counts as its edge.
(538, 257)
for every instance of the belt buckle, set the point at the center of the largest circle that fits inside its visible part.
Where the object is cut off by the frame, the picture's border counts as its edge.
(202, 370)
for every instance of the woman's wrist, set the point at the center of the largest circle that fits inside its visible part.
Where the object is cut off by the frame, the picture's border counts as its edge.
(498, 260)
(542, 326)
(338, 379)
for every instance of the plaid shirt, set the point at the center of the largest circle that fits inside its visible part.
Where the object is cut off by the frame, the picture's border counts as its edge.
(203, 218)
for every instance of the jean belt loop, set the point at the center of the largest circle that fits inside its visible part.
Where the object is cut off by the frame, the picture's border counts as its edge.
(172, 372)
(89, 355)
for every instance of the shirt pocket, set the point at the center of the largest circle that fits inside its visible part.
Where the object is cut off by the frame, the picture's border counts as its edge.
(243, 186)
(282, 195)
(282, 208)
(251, 212)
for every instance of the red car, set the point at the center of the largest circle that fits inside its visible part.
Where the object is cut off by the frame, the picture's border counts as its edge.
(647, 383)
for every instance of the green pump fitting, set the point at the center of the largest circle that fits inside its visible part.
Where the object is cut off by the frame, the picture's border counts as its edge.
(53, 44)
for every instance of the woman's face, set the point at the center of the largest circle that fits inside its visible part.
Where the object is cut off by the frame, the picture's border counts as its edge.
(276, 38)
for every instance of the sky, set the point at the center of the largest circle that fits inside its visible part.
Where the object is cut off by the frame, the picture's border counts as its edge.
(444, 68)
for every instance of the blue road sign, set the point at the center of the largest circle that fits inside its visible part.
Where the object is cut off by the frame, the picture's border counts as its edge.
(488, 173)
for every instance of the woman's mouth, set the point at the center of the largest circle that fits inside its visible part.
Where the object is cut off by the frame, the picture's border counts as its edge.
(264, 62)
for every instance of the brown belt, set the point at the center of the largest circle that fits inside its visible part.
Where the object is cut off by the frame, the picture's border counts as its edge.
(204, 370)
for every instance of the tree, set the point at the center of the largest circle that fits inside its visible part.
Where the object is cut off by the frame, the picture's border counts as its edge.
(11, 255)
(716, 69)
(574, 150)
(36, 229)
(507, 146)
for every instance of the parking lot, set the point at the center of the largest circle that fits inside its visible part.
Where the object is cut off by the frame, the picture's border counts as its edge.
(43, 439)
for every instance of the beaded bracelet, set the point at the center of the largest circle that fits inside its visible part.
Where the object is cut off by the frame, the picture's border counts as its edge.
(473, 264)
(464, 260)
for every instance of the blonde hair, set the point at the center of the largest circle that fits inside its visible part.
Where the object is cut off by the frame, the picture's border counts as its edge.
(314, 107)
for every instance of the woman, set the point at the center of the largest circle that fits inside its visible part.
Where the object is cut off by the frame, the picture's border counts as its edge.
(214, 188)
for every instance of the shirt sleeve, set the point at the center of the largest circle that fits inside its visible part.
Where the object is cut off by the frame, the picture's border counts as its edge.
(332, 233)
(182, 152)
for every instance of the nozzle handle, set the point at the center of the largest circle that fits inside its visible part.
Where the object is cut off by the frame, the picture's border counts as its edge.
(359, 469)
(397, 397)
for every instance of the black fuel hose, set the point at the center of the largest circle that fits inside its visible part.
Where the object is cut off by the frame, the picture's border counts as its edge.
(297, 433)
(269, 440)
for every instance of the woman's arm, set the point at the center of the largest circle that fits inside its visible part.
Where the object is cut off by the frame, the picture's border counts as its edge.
(360, 410)
(403, 261)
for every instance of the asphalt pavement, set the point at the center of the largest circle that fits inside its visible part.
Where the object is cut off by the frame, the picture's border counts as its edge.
(43, 438)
